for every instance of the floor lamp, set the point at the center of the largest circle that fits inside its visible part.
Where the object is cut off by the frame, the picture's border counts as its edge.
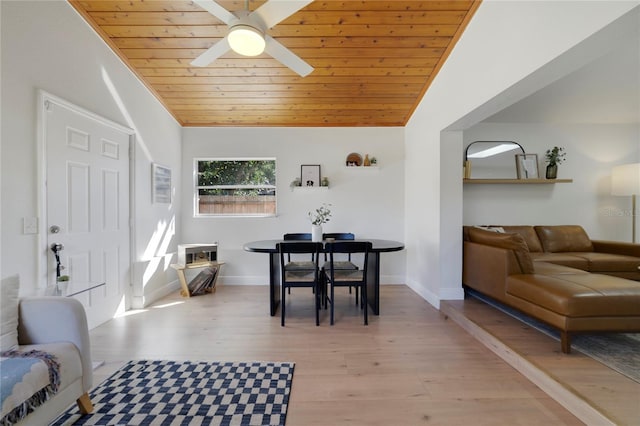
(625, 180)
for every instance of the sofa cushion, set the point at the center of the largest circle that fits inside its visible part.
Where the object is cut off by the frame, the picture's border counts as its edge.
(39, 373)
(9, 289)
(507, 241)
(528, 233)
(578, 295)
(547, 268)
(608, 262)
(67, 355)
(566, 259)
(563, 238)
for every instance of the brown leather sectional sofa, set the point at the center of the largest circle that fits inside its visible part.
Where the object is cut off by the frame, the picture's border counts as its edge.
(557, 275)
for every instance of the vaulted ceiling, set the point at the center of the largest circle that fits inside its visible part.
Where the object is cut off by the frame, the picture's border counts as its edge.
(373, 60)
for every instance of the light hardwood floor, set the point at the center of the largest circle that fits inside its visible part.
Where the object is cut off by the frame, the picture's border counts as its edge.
(597, 394)
(411, 366)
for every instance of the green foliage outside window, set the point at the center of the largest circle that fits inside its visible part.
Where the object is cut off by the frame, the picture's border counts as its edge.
(247, 177)
(236, 187)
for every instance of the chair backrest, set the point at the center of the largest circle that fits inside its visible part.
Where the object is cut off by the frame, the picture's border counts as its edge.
(300, 236)
(297, 236)
(339, 236)
(298, 247)
(350, 247)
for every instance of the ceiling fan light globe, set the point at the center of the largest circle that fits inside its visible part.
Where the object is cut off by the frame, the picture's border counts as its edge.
(246, 40)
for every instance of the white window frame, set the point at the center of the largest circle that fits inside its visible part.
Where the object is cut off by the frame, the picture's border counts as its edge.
(196, 192)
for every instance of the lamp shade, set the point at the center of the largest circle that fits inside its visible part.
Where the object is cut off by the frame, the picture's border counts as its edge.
(625, 179)
(246, 40)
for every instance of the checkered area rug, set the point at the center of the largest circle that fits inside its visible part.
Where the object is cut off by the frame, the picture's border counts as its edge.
(189, 393)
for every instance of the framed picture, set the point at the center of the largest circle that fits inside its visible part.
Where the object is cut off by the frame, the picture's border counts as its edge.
(310, 175)
(527, 166)
(161, 184)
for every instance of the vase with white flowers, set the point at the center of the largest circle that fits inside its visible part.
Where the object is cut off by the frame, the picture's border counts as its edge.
(318, 217)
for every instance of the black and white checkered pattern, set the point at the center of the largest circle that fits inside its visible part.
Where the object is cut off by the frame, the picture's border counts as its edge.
(189, 393)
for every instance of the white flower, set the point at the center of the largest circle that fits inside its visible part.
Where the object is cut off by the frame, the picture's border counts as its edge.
(320, 215)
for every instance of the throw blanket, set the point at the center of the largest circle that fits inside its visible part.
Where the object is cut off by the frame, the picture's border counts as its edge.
(28, 380)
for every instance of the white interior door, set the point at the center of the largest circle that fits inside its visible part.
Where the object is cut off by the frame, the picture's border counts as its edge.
(87, 206)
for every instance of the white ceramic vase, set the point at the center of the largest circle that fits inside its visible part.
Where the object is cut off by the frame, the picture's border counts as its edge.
(316, 233)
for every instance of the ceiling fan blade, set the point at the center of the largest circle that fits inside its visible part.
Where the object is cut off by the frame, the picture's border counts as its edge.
(287, 57)
(212, 53)
(216, 10)
(274, 11)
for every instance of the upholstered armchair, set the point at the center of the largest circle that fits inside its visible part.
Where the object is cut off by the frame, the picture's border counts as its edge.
(48, 328)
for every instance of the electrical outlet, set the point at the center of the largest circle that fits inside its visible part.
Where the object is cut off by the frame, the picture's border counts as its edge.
(29, 225)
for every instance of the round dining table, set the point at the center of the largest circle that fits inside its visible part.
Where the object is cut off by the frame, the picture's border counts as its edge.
(373, 268)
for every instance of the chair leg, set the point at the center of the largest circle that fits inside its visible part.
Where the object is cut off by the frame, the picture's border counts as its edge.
(325, 295)
(317, 299)
(364, 304)
(333, 302)
(282, 305)
(84, 404)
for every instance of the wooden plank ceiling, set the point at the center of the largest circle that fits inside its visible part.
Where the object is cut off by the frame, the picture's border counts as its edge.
(373, 60)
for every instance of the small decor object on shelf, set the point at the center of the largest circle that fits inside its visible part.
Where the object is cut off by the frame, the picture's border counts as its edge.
(554, 156)
(318, 217)
(296, 182)
(310, 175)
(527, 166)
(374, 161)
(367, 162)
(354, 160)
(325, 181)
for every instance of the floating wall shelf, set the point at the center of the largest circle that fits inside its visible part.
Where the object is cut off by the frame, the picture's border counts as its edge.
(309, 188)
(516, 181)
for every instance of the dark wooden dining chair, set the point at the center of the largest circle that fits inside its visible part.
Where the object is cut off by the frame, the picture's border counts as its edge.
(299, 277)
(298, 264)
(340, 264)
(341, 236)
(347, 277)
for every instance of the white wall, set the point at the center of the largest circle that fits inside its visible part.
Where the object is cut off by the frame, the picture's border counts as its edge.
(366, 201)
(592, 151)
(1, 274)
(492, 66)
(46, 45)
(502, 57)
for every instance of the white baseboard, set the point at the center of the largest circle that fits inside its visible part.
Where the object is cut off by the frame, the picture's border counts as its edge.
(427, 295)
(157, 294)
(264, 280)
(243, 280)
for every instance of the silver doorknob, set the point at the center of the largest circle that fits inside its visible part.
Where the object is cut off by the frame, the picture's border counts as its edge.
(54, 229)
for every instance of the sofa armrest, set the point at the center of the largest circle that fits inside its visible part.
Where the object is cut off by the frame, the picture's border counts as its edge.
(486, 268)
(616, 247)
(44, 320)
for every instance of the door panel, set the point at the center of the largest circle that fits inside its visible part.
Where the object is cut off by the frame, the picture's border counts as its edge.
(87, 197)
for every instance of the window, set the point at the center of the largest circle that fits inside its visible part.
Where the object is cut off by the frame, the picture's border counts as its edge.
(235, 187)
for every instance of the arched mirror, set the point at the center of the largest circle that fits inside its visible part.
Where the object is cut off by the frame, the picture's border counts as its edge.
(493, 159)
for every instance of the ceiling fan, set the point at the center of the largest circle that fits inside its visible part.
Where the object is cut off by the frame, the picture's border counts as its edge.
(247, 33)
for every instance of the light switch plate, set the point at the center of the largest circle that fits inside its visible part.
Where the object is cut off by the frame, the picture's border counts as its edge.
(30, 225)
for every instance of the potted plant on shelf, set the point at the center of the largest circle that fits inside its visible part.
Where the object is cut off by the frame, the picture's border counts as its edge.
(318, 217)
(553, 157)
